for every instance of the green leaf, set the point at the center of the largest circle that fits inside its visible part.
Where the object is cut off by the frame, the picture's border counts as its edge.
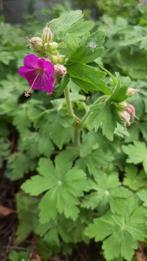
(18, 165)
(130, 67)
(42, 145)
(105, 189)
(21, 120)
(77, 35)
(5, 150)
(134, 179)
(95, 155)
(143, 196)
(27, 216)
(88, 78)
(90, 143)
(18, 256)
(62, 229)
(45, 146)
(143, 128)
(103, 115)
(55, 123)
(90, 48)
(61, 86)
(121, 131)
(137, 153)
(117, 229)
(63, 196)
(80, 28)
(119, 93)
(64, 23)
(6, 57)
(63, 186)
(64, 160)
(49, 232)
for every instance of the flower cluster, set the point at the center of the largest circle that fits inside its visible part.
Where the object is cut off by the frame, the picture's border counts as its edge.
(43, 71)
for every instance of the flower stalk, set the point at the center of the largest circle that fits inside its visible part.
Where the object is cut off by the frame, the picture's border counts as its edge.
(72, 114)
(69, 103)
(77, 135)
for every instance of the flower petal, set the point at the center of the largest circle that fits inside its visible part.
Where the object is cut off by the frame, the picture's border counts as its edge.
(43, 79)
(31, 78)
(31, 60)
(44, 83)
(47, 66)
(24, 70)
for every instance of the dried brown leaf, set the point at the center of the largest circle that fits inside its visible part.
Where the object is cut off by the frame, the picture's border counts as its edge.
(5, 211)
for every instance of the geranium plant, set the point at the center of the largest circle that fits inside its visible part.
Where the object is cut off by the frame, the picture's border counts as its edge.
(77, 193)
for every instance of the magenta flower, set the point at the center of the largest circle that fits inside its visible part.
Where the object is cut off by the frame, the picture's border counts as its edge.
(39, 73)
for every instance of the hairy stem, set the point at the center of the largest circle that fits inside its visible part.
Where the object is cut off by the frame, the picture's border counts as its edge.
(68, 102)
(72, 114)
(77, 135)
(85, 117)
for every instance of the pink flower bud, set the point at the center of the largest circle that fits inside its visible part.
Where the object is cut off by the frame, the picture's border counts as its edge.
(35, 42)
(131, 110)
(126, 117)
(127, 113)
(60, 70)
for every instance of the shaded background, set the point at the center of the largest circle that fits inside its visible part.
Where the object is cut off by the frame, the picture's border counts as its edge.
(15, 11)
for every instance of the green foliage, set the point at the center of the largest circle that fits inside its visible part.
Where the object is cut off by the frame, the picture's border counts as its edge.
(18, 165)
(5, 150)
(18, 256)
(124, 224)
(137, 153)
(12, 47)
(81, 169)
(128, 9)
(103, 115)
(64, 186)
(27, 220)
(88, 78)
(62, 229)
(106, 189)
(90, 48)
(134, 179)
(143, 196)
(125, 44)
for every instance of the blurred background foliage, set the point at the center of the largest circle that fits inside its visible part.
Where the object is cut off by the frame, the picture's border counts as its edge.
(125, 27)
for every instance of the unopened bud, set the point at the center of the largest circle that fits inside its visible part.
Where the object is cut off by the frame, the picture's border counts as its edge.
(35, 42)
(53, 45)
(58, 59)
(47, 35)
(131, 110)
(131, 91)
(60, 70)
(127, 113)
(61, 58)
(125, 116)
(54, 59)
